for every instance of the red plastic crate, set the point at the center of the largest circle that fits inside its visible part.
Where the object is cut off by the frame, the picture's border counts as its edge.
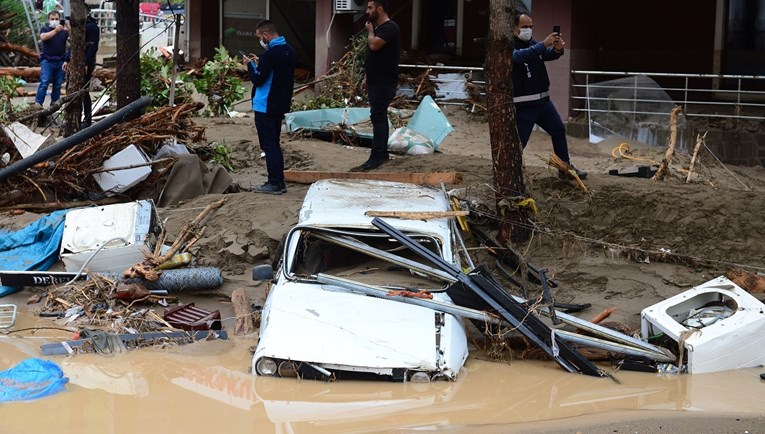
(189, 317)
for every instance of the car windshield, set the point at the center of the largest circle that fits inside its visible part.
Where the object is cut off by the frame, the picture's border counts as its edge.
(367, 257)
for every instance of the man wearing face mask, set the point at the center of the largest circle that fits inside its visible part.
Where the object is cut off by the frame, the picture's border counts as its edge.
(53, 55)
(273, 77)
(380, 77)
(531, 87)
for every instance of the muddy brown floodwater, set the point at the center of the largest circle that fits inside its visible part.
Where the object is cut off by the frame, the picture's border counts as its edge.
(205, 387)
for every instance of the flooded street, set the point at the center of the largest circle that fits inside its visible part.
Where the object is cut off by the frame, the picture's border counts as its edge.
(206, 387)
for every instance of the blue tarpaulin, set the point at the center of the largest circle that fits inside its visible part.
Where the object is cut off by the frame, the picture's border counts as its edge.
(34, 247)
(31, 379)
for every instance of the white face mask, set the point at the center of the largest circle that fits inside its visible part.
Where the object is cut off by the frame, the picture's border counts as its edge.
(525, 35)
(53, 23)
(264, 44)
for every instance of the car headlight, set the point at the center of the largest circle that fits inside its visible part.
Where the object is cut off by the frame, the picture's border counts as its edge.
(420, 377)
(266, 366)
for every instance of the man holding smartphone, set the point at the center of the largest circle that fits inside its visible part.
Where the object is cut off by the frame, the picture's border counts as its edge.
(380, 77)
(273, 77)
(531, 87)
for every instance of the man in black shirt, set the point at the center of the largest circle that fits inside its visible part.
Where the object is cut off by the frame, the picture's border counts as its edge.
(381, 77)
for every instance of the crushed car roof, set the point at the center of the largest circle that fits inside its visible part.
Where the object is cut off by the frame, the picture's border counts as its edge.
(343, 203)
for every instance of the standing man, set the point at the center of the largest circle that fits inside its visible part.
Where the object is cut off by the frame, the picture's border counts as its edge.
(92, 39)
(381, 77)
(53, 55)
(531, 87)
(273, 77)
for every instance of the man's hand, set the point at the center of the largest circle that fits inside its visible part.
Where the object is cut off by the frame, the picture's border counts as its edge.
(559, 44)
(59, 28)
(369, 26)
(551, 39)
(64, 66)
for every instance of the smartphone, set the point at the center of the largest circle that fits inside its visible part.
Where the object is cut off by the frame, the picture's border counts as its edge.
(556, 29)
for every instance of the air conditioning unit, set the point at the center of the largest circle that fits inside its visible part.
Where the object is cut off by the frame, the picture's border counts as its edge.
(345, 6)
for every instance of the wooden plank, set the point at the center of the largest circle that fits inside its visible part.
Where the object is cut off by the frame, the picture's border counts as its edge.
(432, 178)
(244, 324)
(417, 215)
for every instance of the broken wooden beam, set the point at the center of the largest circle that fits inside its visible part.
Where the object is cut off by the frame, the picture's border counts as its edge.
(431, 178)
(417, 215)
(244, 325)
(664, 167)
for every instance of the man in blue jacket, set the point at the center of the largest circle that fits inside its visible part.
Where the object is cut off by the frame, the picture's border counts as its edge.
(273, 77)
(531, 87)
(53, 55)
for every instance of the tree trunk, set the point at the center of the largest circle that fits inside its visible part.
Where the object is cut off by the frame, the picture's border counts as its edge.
(76, 66)
(506, 148)
(19, 49)
(32, 73)
(128, 53)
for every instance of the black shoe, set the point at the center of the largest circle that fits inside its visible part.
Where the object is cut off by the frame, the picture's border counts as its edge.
(270, 189)
(372, 163)
(580, 173)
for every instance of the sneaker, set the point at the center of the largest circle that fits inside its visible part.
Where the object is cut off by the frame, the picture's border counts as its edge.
(270, 189)
(372, 163)
(580, 173)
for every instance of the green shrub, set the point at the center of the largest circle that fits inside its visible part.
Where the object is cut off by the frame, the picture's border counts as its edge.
(219, 83)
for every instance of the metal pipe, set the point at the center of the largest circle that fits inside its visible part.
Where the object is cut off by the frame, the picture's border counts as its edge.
(436, 305)
(611, 346)
(600, 330)
(381, 254)
(75, 139)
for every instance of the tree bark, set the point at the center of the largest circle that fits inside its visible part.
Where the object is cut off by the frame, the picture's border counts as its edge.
(76, 66)
(506, 148)
(128, 53)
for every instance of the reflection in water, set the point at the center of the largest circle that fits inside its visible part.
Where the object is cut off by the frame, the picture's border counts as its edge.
(207, 387)
(119, 380)
(224, 385)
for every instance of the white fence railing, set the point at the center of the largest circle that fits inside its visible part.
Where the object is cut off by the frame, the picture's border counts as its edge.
(155, 30)
(700, 95)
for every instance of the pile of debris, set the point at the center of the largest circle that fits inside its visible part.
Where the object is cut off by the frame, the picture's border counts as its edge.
(112, 310)
(85, 170)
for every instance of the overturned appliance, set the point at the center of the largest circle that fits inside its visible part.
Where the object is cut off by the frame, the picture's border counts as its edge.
(324, 331)
(717, 325)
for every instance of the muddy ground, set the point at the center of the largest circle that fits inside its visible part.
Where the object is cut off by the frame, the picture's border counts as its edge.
(628, 243)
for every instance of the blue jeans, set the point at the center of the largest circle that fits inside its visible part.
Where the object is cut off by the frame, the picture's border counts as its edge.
(379, 100)
(269, 127)
(51, 72)
(544, 114)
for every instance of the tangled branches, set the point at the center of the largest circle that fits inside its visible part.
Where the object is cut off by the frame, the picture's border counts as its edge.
(68, 177)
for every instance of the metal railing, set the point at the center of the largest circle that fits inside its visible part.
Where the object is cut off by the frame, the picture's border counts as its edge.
(700, 95)
(449, 90)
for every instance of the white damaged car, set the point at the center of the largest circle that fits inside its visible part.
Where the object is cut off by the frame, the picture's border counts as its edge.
(332, 331)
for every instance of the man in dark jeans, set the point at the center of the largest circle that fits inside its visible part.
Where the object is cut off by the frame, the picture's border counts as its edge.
(92, 39)
(531, 88)
(53, 55)
(381, 77)
(273, 76)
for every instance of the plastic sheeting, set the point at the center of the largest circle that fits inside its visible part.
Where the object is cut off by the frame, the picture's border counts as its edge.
(31, 379)
(428, 121)
(34, 247)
